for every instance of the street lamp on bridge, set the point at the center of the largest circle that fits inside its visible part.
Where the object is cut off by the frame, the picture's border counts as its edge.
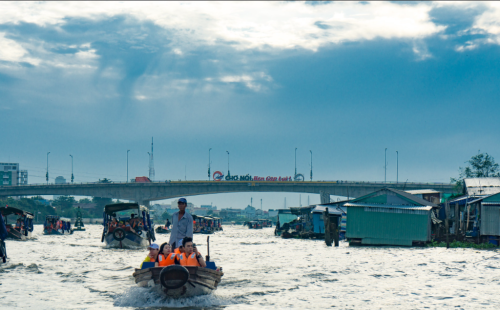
(228, 173)
(385, 166)
(209, 163)
(47, 175)
(295, 175)
(311, 164)
(127, 164)
(397, 167)
(72, 176)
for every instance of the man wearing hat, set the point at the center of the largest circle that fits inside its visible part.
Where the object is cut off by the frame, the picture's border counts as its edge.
(182, 224)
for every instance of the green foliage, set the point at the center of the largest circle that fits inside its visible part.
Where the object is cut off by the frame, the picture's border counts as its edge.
(458, 244)
(165, 216)
(481, 165)
(84, 200)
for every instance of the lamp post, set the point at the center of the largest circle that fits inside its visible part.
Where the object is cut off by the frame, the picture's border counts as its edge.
(397, 167)
(228, 173)
(385, 166)
(209, 163)
(311, 164)
(127, 165)
(295, 175)
(47, 175)
(72, 176)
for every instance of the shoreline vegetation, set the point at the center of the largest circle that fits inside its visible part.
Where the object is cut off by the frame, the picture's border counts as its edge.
(459, 244)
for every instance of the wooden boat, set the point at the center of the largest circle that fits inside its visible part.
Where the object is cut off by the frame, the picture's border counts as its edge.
(52, 227)
(23, 225)
(254, 225)
(79, 223)
(177, 281)
(138, 234)
(3, 235)
(162, 230)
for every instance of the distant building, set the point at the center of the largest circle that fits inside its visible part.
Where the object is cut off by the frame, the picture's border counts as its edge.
(10, 175)
(273, 212)
(249, 210)
(209, 207)
(199, 211)
(86, 206)
(59, 180)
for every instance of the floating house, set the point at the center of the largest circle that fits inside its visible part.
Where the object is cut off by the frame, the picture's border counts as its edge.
(389, 217)
(488, 210)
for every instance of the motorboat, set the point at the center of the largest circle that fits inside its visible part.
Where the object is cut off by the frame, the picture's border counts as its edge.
(22, 226)
(125, 229)
(56, 225)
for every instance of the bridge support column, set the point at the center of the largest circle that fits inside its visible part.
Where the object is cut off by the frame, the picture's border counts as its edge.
(325, 197)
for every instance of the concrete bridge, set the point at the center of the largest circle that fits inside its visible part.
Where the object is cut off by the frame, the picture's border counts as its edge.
(143, 193)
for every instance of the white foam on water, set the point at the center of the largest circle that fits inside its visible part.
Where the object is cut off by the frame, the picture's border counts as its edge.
(145, 297)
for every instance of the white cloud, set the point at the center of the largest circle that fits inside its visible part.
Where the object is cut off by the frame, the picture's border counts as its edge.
(12, 51)
(249, 81)
(280, 25)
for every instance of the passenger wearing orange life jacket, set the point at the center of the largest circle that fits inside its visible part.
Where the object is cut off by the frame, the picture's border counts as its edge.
(166, 257)
(191, 257)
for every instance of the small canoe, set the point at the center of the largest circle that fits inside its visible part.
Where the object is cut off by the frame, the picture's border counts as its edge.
(177, 281)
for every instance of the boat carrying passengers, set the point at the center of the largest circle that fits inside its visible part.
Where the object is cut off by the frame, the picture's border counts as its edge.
(163, 256)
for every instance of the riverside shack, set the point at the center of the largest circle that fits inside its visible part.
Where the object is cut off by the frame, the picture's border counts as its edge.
(389, 217)
(488, 209)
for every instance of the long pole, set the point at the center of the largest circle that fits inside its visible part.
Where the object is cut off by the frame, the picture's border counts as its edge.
(385, 166)
(72, 176)
(209, 163)
(397, 167)
(295, 175)
(311, 164)
(127, 164)
(47, 175)
(228, 173)
(261, 204)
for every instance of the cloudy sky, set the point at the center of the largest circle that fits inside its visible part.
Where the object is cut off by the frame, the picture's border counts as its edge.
(258, 79)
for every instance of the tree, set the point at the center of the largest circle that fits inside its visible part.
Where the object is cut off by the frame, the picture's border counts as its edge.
(481, 165)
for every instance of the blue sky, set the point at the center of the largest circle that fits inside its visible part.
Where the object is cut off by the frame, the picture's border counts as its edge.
(258, 79)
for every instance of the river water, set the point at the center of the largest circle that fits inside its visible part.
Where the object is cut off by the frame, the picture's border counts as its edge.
(261, 272)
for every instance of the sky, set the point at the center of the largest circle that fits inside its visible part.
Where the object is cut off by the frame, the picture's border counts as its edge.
(345, 80)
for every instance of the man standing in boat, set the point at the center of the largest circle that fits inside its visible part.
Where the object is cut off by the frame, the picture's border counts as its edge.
(182, 225)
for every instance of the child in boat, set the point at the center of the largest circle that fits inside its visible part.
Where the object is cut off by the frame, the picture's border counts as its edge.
(166, 257)
(191, 257)
(152, 257)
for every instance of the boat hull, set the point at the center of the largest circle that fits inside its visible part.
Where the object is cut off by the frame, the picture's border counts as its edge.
(162, 231)
(57, 232)
(131, 240)
(16, 235)
(202, 281)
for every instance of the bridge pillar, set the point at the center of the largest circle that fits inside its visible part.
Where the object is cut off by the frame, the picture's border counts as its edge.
(325, 197)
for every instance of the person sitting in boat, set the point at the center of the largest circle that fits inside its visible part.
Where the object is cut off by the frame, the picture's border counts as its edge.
(128, 227)
(18, 225)
(113, 224)
(179, 249)
(133, 221)
(191, 257)
(152, 257)
(166, 257)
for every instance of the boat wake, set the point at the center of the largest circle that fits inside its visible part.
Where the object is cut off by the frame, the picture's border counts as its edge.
(144, 297)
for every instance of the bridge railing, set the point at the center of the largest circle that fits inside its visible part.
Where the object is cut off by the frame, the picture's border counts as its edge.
(205, 181)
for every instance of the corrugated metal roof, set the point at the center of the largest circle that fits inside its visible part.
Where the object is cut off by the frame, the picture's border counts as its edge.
(484, 198)
(322, 208)
(482, 186)
(423, 191)
(414, 198)
(426, 208)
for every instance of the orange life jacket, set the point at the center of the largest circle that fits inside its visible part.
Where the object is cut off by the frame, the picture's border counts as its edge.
(170, 260)
(189, 260)
(177, 251)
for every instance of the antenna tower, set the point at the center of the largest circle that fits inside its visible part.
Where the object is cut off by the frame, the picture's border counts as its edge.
(151, 163)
